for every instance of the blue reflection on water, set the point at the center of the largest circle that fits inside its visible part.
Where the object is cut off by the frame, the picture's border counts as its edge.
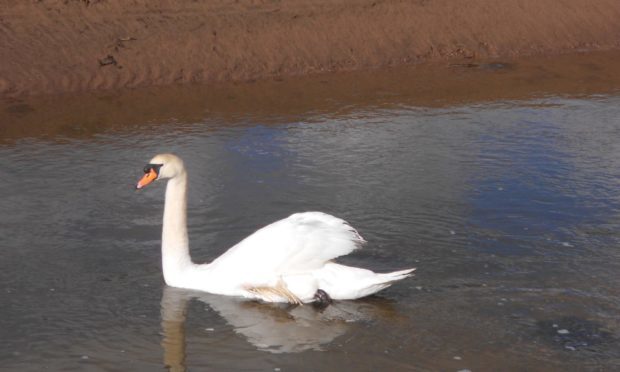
(260, 151)
(531, 194)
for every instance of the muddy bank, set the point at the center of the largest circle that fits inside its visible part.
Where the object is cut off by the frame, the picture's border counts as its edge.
(306, 97)
(53, 46)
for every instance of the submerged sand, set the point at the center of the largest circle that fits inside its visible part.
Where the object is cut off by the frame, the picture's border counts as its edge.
(268, 102)
(56, 46)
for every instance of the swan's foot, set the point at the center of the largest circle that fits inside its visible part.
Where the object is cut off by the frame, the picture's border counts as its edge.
(321, 299)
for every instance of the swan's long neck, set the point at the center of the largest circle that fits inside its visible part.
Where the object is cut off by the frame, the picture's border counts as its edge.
(176, 260)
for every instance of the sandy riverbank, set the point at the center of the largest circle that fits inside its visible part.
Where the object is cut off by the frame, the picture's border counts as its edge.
(301, 98)
(58, 46)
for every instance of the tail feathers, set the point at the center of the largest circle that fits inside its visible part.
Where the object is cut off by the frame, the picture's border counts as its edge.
(348, 283)
(373, 283)
(382, 281)
(389, 278)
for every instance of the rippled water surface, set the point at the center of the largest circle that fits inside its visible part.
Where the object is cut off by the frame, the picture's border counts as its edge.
(509, 209)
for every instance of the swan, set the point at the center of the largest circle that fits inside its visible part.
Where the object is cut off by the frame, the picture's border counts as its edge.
(287, 261)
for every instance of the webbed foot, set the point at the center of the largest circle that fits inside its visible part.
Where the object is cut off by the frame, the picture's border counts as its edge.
(321, 299)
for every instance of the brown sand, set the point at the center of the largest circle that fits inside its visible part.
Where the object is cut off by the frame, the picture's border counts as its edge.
(51, 46)
(304, 97)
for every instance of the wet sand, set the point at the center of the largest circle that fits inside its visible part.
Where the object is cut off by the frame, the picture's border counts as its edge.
(60, 46)
(279, 101)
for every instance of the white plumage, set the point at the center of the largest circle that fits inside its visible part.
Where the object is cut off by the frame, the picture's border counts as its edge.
(286, 261)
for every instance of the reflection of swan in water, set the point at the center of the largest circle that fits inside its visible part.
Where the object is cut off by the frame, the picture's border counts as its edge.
(287, 261)
(270, 327)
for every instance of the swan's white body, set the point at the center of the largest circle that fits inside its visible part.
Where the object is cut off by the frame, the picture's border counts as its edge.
(286, 261)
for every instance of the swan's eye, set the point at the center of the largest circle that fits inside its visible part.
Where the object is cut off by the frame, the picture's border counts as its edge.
(147, 169)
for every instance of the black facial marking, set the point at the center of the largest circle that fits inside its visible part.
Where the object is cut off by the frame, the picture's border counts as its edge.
(155, 167)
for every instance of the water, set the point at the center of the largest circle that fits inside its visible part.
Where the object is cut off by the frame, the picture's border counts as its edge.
(510, 209)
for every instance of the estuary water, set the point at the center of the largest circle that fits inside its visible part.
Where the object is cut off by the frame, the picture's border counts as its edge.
(508, 207)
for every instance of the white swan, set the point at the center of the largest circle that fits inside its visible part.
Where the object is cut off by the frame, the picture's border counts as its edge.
(287, 261)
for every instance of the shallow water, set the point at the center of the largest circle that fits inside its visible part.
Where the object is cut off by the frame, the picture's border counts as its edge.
(510, 209)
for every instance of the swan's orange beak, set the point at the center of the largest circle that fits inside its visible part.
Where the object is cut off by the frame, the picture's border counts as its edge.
(148, 177)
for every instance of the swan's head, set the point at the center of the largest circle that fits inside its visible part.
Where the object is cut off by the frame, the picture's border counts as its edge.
(162, 166)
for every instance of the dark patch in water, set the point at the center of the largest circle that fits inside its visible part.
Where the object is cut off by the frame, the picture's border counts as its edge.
(497, 66)
(20, 109)
(494, 66)
(573, 333)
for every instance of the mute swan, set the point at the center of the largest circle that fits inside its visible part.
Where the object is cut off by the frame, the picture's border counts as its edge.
(287, 261)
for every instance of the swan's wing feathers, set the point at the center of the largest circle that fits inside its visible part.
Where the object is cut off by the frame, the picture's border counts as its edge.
(297, 244)
(311, 239)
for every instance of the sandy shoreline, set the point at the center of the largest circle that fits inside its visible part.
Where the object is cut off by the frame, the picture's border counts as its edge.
(280, 101)
(60, 46)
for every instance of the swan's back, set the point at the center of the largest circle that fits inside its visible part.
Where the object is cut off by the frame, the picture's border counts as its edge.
(301, 243)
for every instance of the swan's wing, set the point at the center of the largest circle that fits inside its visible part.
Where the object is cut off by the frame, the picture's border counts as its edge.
(298, 244)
